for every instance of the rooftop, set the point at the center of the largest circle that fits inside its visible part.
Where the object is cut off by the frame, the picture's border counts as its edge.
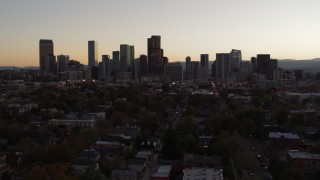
(285, 135)
(202, 174)
(296, 154)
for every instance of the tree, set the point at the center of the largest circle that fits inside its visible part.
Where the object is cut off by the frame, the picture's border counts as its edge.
(297, 120)
(171, 146)
(48, 171)
(282, 116)
(292, 174)
(189, 142)
(61, 153)
(187, 126)
(248, 127)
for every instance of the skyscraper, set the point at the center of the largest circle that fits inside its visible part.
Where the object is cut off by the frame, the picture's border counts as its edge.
(222, 67)
(204, 60)
(235, 60)
(92, 53)
(125, 57)
(115, 62)
(106, 66)
(143, 65)
(188, 66)
(62, 61)
(264, 67)
(133, 64)
(173, 71)
(195, 69)
(155, 54)
(51, 64)
(45, 50)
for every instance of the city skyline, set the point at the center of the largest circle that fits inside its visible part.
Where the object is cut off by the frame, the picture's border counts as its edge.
(286, 29)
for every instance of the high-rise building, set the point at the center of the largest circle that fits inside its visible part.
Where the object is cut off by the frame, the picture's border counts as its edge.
(188, 66)
(204, 60)
(222, 67)
(51, 64)
(92, 53)
(62, 61)
(262, 63)
(213, 69)
(133, 64)
(265, 66)
(165, 60)
(195, 69)
(155, 54)
(106, 66)
(143, 61)
(45, 50)
(173, 71)
(115, 62)
(125, 57)
(245, 73)
(235, 60)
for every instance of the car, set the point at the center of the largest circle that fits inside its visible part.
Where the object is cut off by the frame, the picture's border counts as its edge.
(251, 173)
(266, 168)
(259, 156)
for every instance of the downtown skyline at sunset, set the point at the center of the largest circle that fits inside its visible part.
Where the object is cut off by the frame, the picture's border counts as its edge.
(285, 29)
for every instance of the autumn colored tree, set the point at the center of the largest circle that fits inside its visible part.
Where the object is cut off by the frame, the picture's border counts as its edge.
(48, 172)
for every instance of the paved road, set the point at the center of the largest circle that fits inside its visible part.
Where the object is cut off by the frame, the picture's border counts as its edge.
(246, 146)
(152, 168)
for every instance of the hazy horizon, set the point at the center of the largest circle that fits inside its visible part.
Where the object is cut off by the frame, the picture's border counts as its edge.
(285, 29)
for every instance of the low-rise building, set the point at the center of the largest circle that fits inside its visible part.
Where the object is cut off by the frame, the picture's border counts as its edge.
(202, 173)
(191, 161)
(110, 148)
(73, 122)
(163, 173)
(87, 158)
(285, 140)
(120, 174)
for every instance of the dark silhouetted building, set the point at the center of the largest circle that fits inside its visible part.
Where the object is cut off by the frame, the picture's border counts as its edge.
(106, 66)
(92, 53)
(133, 68)
(264, 65)
(235, 60)
(204, 60)
(62, 61)
(143, 65)
(298, 73)
(115, 62)
(188, 66)
(155, 54)
(195, 69)
(222, 64)
(51, 64)
(173, 71)
(45, 50)
(125, 57)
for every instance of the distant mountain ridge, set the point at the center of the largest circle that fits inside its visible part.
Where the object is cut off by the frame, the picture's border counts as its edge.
(19, 68)
(290, 64)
